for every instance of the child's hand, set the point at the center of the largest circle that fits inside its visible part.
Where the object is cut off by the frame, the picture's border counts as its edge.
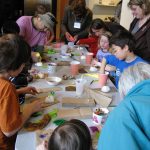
(28, 90)
(95, 63)
(43, 146)
(110, 68)
(35, 106)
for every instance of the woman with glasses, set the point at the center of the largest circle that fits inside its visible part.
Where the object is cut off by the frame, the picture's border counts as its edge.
(34, 28)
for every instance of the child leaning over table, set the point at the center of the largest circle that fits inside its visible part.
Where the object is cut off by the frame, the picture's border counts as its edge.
(14, 54)
(97, 28)
(123, 47)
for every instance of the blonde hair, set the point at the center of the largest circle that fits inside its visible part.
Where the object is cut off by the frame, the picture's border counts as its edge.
(133, 75)
(106, 34)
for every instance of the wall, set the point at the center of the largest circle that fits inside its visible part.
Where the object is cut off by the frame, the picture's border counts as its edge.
(30, 5)
(101, 11)
(105, 11)
(126, 16)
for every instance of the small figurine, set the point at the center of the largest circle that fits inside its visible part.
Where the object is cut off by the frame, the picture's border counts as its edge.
(99, 111)
(50, 98)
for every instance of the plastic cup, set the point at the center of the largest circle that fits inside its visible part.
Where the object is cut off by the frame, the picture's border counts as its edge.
(52, 68)
(64, 49)
(80, 83)
(97, 119)
(75, 67)
(89, 57)
(103, 79)
(71, 44)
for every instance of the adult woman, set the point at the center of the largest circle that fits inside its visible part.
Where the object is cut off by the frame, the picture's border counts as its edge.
(127, 127)
(76, 21)
(34, 28)
(140, 27)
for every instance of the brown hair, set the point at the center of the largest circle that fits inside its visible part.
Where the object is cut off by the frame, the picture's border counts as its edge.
(40, 9)
(143, 4)
(78, 7)
(73, 135)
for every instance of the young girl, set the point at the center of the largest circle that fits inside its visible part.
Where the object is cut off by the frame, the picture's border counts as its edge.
(97, 28)
(73, 135)
(104, 46)
(14, 54)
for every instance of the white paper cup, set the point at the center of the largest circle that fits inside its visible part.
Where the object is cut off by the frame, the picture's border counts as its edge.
(64, 49)
(71, 44)
(80, 83)
(52, 68)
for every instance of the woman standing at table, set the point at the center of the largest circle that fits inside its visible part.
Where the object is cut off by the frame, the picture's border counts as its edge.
(140, 27)
(76, 21)
(127, 127)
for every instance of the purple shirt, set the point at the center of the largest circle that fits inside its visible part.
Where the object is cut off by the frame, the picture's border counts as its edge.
(100, 54)
(32, 36)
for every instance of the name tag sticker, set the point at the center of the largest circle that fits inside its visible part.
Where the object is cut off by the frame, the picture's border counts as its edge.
(77, 25)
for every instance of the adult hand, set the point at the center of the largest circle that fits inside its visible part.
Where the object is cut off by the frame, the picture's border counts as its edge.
(75, 38)
(69, 37)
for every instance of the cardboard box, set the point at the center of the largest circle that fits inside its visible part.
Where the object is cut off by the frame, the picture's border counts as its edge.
(75, 113)
(78, 102)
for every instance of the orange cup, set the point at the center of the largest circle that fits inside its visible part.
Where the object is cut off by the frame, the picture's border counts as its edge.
(75, 67)
(103, 79)
(89, 57)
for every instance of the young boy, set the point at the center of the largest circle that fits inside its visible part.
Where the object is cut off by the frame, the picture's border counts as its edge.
(14, 54)
(123, 46)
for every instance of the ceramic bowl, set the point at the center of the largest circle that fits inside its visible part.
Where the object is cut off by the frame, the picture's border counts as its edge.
(53, 80)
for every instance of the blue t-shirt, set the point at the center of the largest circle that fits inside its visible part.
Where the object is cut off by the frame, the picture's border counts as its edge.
(120, 65)
(100, 54)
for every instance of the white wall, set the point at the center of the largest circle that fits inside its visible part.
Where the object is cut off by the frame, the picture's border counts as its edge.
(105, 11)
(101, 11)
(126, 16)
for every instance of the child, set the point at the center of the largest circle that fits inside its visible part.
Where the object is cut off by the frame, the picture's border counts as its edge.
(14, 54)
(97, 28)
(73, 135)
(123, 47)
(24, 77)
(104, 46)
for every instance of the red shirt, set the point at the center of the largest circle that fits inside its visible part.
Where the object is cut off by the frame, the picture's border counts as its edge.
(92, 42)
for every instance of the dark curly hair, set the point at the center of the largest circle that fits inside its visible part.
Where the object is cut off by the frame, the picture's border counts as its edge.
(14, 52)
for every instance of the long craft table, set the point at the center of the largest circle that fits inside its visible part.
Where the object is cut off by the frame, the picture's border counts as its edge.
(27, 140)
